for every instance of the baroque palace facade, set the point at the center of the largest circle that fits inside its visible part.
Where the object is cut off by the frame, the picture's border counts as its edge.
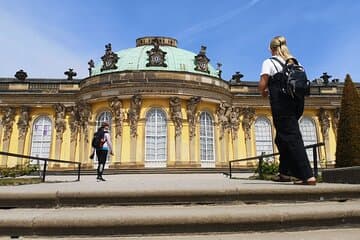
(167, 107)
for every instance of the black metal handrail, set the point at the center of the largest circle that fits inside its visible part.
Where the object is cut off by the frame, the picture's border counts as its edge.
(262, 156)
(45, 162)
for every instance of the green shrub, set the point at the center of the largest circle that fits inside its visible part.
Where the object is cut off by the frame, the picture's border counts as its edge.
(268, 168)
(348, 135)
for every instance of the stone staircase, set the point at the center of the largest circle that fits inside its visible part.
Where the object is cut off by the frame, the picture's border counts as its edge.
(152, 204)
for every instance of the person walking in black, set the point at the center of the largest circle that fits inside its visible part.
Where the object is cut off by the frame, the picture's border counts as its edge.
(102, 151)
(286, 112)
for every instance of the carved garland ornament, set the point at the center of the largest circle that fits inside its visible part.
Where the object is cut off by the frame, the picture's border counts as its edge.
(84, 111)
(324, 119)
(248, 119)
(7, 121)
(23, 122)
(134, 114)
(223, 113)
(116, 107)
(191, 114)
(176, 115)
(60, 125)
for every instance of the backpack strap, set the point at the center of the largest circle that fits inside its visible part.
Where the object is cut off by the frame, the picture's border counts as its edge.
(281, 64)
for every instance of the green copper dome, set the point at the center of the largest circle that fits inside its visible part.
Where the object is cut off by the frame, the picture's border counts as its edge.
(136, 59)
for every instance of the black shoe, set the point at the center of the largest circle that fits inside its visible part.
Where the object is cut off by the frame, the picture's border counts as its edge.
(102, 179)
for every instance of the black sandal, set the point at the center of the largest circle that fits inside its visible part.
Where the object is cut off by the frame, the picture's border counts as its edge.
(281, 178)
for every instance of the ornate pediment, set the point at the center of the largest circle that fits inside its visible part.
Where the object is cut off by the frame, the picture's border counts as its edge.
(156, 55)
(109, 59)
(202, 61)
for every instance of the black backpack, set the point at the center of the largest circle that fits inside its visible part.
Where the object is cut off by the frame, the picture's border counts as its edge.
(294, 80)
(98, 139)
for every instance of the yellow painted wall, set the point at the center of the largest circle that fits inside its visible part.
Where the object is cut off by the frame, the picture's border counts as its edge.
(147, 104)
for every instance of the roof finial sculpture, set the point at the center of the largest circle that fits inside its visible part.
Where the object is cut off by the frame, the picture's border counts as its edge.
(109, 59)
(70, 74)
(202, 61)
(91, 66)
(156, 55)
(236, 77)
(21, 75)
(218, 68)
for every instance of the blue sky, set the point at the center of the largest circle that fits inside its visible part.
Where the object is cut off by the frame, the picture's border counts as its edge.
(46, 37)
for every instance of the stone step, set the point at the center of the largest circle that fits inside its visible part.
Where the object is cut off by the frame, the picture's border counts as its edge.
(145, 220)
(151, 189)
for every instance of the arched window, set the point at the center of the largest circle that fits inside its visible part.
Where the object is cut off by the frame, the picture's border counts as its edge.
(263, 136)
(308, 132)
(41, 137)
(103, 117)
(155, 138)
(207, 155)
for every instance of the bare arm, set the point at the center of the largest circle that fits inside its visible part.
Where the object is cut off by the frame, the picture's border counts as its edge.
(109, 143)
(263, 85)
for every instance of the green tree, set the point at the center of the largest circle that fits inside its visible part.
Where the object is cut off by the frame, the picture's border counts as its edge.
(348, 135)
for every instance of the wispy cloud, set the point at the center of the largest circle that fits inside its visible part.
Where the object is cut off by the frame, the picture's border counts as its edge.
(29, 49)
(215, 22)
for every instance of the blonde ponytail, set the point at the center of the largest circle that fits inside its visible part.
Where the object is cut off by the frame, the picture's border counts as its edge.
(279, 47)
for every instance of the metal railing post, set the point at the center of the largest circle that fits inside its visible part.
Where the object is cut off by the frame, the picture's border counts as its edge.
(44, 171)
(261, 160)
(230, 170)
(315, 162)
(79, 171)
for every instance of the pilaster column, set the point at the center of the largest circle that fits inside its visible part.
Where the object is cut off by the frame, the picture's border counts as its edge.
(60, 127)
(23, 126)
(223, 113)
(324, 119)
(7, 121)
(119, 116)
(176, 117)
(335, 120)
(74, 126)
(191, 109)
(234, 120)
(84, 111)
(133, 116)
(247, 121)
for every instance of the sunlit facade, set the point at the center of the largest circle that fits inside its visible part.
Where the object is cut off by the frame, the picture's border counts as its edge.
(167, 108)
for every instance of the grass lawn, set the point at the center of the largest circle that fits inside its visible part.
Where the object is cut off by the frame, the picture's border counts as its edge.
(18, 181)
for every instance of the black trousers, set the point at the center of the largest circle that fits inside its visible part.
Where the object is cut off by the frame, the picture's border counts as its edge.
(101, 157)
(286, 113)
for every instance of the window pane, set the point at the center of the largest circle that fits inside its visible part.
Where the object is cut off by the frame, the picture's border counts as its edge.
(263, 136)
(155, 138)
(41, 137)
(308, 132)
(207, 156)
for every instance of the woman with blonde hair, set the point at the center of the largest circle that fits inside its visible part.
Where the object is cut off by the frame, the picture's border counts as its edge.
(286, 112)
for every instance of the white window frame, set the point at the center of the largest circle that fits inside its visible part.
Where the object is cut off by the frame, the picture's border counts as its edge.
(207, 140)
(309, 136)
(263, 136)
(159, 134)
(41, 140)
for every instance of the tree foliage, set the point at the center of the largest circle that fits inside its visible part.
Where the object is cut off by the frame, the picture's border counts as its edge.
(348, 135)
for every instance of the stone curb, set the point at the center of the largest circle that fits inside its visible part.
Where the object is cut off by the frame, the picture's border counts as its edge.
(197, 196)
(125, 220)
